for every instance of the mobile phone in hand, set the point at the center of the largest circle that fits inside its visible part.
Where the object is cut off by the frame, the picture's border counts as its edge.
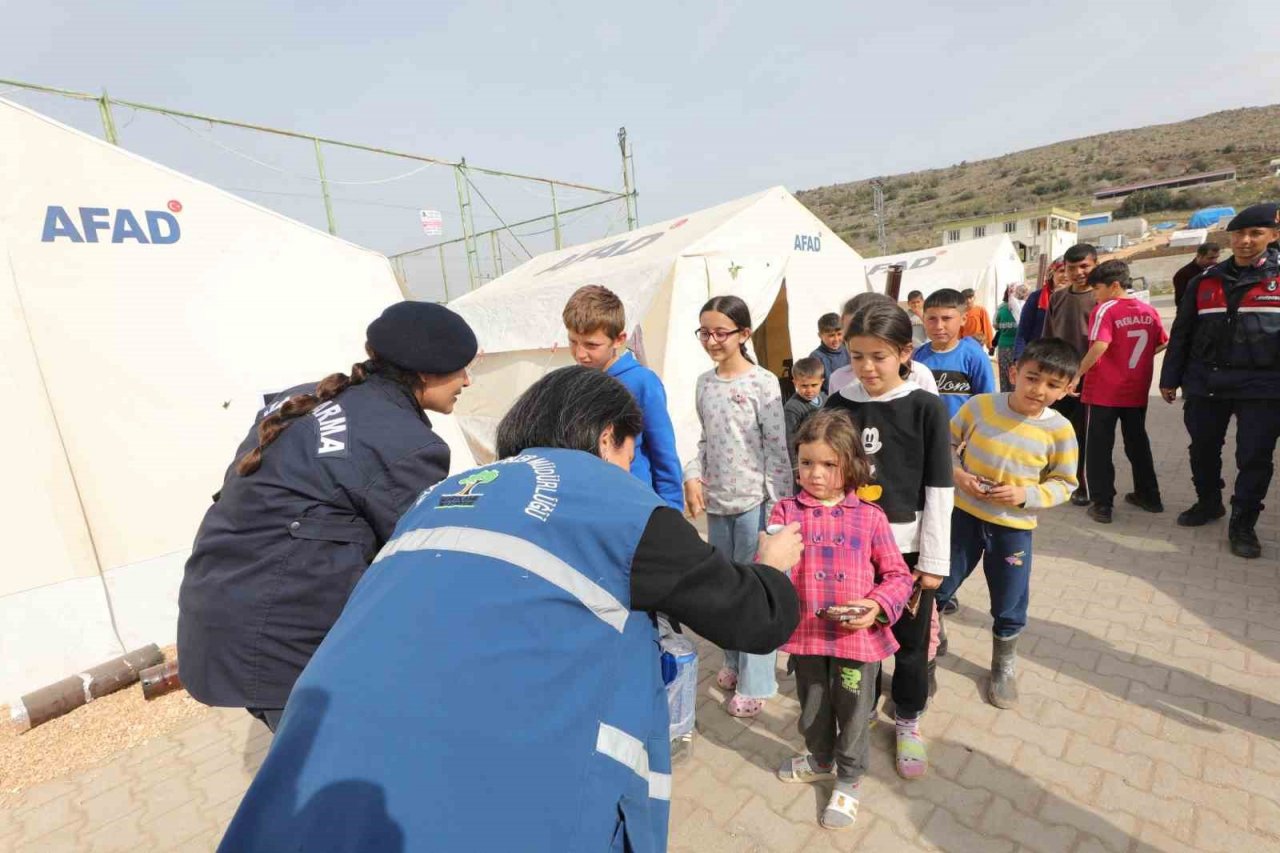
(843, 612)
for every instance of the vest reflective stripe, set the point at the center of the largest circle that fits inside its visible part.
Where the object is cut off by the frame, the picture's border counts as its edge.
(518, 552)
(1212, 311)
(1258, 310)
(631, 752)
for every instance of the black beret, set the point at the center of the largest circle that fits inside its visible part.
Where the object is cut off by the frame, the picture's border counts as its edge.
(1254, 216)
(422, 337)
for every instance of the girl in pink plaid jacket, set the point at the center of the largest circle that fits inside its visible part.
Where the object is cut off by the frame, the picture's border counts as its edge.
(853, 585)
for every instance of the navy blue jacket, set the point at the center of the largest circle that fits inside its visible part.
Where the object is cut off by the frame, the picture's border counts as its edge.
(657, 464)
(1030, 323)
(281, 549)
(494, 682)
(1225, 340)
(832, 360)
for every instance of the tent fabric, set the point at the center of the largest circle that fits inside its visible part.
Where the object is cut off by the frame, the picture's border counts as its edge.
(1189, 237)
(1209, 216)
(663, 274)
(988, 265)
(143, 316)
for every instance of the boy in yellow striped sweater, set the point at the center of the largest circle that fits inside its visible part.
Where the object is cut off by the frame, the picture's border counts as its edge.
(1014, 456)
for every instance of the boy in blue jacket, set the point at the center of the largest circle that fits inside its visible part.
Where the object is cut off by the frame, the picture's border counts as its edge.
(959, 365)
(596, 323)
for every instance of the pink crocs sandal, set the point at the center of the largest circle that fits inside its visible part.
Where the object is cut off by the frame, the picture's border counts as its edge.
(726, 679)
(741, 706)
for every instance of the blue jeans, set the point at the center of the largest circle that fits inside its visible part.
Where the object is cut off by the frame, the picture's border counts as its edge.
(738, 537)
(1006, 560)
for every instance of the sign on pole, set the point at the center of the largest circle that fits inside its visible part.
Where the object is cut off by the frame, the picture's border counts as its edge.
(432, 222)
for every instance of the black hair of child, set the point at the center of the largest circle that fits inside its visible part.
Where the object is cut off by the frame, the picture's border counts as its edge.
(945, 298)
(1110, 272)
(884, 321)
(1080, 252)
(1053, 355)
(807, 368)
(736, 310)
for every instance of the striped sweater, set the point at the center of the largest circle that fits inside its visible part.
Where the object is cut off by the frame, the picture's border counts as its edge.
(995, 442)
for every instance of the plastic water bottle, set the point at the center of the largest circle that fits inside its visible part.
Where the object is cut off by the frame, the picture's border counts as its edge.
(682, 690)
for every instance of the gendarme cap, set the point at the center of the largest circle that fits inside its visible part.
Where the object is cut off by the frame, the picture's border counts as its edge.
(423, 337)
(1254, 216)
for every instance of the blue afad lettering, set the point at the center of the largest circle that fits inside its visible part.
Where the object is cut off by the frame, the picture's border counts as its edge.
(161, 229)
(808, 243)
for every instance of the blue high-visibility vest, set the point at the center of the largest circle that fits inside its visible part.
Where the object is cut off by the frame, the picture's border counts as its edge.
(487, 686)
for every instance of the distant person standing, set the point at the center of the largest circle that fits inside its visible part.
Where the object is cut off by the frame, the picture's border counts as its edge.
(1031, 318)
(831, 351)
(1017, 299)
(1206, 256)
(1068, 320)
(1224, 353)
(977, 322)
(1124, 336)
(915, 310)
(1006, 333)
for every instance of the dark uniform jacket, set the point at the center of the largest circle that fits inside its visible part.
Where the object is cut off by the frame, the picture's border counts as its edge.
(281, 549)
(1225, 341)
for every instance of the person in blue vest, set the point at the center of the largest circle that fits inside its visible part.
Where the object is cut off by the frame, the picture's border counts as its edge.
(318, 484)
(495, 682)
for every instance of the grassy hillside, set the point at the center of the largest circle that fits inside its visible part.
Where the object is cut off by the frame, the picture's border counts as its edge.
(1065, 174)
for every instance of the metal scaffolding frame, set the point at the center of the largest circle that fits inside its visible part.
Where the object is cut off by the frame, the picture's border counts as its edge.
(461, 168)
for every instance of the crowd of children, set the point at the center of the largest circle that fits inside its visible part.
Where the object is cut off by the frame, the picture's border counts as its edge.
(904, 468)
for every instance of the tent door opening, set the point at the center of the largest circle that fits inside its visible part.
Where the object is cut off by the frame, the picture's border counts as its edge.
(772, 341)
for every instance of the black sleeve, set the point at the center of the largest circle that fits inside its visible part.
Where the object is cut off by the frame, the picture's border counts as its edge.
(744, 607)
(387, 498)
(1175, 355)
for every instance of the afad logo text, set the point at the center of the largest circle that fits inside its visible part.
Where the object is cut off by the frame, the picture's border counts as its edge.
(103, 224)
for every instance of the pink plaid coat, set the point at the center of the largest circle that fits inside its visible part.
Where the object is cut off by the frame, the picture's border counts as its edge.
(849, 553)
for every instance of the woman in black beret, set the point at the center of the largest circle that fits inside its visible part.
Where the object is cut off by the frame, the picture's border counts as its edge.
(314, 492)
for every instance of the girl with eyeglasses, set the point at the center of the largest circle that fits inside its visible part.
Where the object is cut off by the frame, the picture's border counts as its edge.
(741, 470)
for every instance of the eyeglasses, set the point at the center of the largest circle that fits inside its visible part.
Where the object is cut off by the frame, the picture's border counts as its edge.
(720, 335)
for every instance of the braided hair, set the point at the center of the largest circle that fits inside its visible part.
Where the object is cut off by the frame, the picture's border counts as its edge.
(328, 388)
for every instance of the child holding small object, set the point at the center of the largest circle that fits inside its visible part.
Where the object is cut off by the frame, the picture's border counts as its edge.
(853, 584)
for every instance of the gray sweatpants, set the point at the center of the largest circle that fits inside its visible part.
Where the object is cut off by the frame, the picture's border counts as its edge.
(837, 698)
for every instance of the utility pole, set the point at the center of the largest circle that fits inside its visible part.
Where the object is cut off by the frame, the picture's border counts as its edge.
(877, 190)
(628, 179)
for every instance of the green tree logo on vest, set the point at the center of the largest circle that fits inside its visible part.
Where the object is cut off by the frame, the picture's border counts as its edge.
(467, 497)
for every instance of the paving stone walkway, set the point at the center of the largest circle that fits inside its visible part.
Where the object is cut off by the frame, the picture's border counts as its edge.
(1150, 721)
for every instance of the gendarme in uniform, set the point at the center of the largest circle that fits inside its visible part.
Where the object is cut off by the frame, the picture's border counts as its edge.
(1224, 352)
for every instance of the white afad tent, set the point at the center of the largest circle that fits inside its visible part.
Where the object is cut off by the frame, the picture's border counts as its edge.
(143, 316)
(988, 265)
(766, 248)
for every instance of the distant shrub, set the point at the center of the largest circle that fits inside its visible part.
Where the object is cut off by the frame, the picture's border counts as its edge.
(1050, 187)
(1144, 201)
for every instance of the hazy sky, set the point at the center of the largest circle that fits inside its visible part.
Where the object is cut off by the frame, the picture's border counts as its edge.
(720, 99)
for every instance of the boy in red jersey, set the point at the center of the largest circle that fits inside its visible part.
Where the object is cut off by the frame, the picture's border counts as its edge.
(1124, 336)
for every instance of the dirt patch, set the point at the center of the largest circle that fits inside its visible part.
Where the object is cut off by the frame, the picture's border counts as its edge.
(90, 735)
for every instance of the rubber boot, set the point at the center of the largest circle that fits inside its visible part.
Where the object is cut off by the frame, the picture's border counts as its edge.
(1241, 536)
(1003, 690)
